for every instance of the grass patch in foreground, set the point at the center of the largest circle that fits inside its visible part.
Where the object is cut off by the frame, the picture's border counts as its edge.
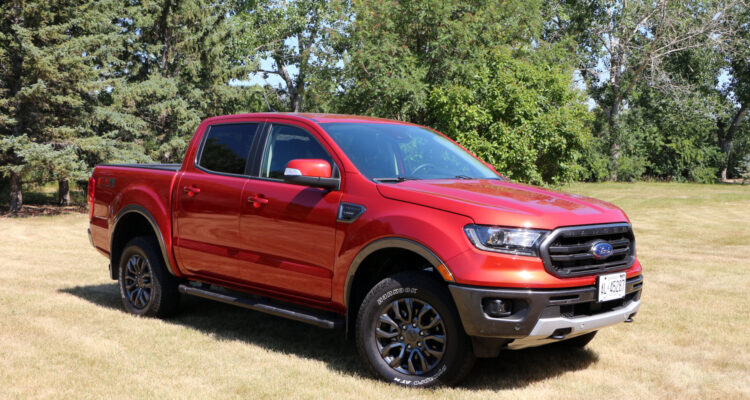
(63, 333)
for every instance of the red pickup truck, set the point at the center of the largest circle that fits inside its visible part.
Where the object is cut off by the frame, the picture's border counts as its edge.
(422, 252)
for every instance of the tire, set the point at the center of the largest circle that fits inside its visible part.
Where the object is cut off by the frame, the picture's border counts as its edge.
(577, 342)
(430, 351)
(147, 289)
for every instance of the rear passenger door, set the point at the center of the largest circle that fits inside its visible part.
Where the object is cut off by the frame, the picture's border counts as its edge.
(209, 201)
(288, 231)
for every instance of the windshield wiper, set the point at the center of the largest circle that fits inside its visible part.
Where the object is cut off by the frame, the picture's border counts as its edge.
(396, 179)
(463, 177)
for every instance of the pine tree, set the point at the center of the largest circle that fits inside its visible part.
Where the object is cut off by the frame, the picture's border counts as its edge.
(48, 89)
(177, 62)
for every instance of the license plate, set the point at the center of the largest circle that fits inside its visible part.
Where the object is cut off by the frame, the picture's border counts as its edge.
(611, 287)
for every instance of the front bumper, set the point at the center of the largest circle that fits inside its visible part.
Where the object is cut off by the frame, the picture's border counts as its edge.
(541, 316)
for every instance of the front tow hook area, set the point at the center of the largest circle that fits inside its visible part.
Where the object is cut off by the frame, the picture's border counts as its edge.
(560, 334)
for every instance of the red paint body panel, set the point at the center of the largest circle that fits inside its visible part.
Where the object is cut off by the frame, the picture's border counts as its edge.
(494, 202)
(207, 221)
(282, 240)
(119, 187)
(291, 237)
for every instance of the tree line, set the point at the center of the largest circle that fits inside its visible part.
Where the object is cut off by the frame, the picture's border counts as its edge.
(547, 91)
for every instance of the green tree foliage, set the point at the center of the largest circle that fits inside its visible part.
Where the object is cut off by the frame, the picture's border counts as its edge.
(687, 123)
(173, 66)
(521, 117)
(84, 81)
(303, 41)
(465, 68)
(671, 138)
(676, 125)
(400, 50)
(620, 43)
(734, 132)
(48, 84)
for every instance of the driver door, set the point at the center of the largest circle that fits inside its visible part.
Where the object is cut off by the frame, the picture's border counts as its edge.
(288, 231)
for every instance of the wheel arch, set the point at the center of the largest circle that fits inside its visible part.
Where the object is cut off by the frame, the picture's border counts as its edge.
(376, 261)
(134, 220)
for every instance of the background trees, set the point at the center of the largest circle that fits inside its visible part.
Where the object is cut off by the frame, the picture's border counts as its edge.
(173, 66)
(521, 116)
(48, 86)
(734, 132)
(300, 42)
(546, 91)
(619, 43)
(398, 52)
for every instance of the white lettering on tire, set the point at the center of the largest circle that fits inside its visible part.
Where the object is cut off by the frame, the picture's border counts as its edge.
(421, 382)
(394, 292)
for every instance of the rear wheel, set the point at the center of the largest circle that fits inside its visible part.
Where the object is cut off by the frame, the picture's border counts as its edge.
(146, 287)
(408, 332)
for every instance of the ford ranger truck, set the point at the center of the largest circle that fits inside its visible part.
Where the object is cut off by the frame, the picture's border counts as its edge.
(392, 232)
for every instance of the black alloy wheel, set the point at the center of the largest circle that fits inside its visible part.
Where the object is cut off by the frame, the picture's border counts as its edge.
(147, 288)
(408, 332)
(138, 283)
(410, 336)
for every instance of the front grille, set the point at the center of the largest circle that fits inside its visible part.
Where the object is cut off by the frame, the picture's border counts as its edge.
(566, 252)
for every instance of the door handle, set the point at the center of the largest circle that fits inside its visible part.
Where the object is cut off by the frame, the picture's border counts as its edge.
(191, 191)
(258, 200)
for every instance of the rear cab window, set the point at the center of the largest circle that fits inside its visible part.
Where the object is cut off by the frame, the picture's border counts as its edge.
(226, 148)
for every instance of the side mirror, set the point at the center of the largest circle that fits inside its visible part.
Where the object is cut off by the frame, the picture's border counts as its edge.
(311, 172)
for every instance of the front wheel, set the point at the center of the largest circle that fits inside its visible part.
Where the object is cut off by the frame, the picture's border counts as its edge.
(408, 332)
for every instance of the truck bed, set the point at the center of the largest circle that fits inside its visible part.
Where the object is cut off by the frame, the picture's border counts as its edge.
(148, 186)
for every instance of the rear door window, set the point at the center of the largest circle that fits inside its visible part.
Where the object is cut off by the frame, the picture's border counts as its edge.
(226, 148)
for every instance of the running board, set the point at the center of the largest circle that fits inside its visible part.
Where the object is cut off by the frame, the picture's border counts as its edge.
(317, 318)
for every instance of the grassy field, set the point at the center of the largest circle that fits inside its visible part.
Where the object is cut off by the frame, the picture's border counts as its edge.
(63, 333)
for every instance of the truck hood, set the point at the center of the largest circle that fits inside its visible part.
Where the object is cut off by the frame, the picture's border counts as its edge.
(496, 202)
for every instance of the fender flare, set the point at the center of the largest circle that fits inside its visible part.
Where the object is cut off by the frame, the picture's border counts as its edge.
(135, 208)
(389, 242)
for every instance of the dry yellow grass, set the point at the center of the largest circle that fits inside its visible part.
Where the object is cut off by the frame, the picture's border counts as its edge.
(63, 334)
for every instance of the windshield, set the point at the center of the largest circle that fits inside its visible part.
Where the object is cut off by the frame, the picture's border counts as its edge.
(399, 152)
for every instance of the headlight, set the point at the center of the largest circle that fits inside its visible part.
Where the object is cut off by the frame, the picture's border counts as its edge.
(506, 240)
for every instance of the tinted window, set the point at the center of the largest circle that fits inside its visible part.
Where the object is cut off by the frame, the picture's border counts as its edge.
(227, 147)
(392, 150)
(286, 143)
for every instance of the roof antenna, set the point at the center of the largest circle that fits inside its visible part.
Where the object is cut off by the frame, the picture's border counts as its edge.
(270, 109)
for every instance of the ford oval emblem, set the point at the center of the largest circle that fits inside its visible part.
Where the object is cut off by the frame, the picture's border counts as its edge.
(601, 250)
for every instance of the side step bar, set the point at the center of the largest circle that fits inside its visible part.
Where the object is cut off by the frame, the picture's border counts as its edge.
(317, 318)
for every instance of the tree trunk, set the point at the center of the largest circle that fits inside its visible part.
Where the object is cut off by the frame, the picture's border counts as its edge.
(16, 193)
(726, 147)
(726, 138)
(296, 102)
(63, 192)
(295, 97)
(614, 137)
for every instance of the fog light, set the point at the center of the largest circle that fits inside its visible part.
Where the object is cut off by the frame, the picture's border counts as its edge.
(497, 308)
